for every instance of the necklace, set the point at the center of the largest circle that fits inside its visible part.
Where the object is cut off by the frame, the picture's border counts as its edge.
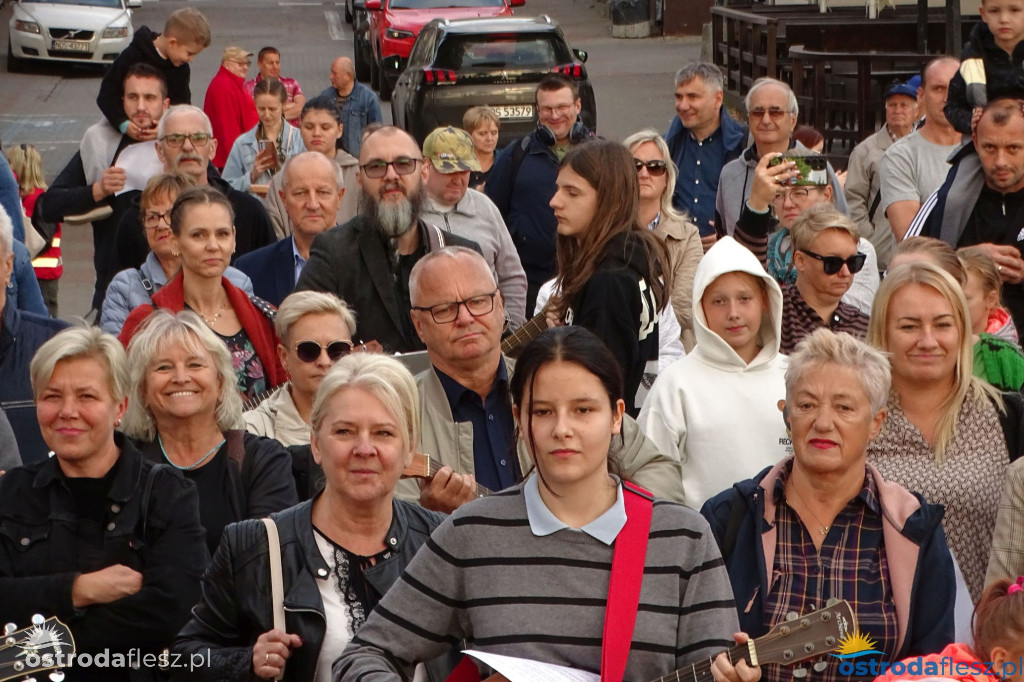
(210, 322)
(824, 527)
(190, 467)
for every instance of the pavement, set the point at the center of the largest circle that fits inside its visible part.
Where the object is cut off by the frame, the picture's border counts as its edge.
(52, 105)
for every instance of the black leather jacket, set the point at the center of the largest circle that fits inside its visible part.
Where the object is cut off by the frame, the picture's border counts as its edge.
(235, 607)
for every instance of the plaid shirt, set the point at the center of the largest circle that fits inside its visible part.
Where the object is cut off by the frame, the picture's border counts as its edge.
(851, 565)
(799, 319)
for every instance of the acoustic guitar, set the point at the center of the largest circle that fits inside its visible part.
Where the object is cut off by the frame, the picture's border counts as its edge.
(46, 645)
(424, 466)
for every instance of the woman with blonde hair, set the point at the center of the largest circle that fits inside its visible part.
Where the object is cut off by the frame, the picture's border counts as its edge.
(184, 410)
(948, 435)
(482, 124)
(656, 175)
(35, 294)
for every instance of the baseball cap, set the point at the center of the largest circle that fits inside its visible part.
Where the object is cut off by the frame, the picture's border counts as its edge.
(908, 89)
(235, 52)
(451, 150)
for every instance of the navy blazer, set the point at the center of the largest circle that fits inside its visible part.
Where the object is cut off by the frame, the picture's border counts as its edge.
(271, 269)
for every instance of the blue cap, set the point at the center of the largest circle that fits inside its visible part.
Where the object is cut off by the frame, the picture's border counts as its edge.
(908, 89)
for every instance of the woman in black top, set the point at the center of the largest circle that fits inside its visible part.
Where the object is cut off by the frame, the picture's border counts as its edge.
(613, 274)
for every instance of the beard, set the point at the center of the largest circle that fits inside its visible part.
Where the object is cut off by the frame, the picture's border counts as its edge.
(392, 218)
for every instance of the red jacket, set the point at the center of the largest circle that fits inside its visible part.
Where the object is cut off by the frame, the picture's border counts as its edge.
(231, 111)
(256, 325)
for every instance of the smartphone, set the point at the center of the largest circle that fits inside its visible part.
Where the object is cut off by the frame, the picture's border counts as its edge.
(268, 148)
(813, 168)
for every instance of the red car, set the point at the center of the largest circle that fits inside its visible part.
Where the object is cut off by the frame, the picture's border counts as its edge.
(394, 25)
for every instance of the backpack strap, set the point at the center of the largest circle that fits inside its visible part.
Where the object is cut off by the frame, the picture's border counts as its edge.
(518, 154)
(276, 575)
(874, 206)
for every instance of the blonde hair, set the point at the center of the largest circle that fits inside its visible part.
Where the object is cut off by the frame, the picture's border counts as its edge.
(384, 378)
(298, 304)
(477, 116)
(188, 25)
(975, 259)
(817, 219)
(27, 164)
(668, 211)
(81, 342)
(186, 329)
(965, 385)
(824, 347)
(936, 251)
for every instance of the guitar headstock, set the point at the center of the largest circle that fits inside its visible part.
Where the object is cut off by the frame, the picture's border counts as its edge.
(803, 637)
(46, 645)
(419, 467)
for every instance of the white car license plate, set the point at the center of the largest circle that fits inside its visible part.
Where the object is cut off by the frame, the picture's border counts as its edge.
(70, 45)
(515, 111)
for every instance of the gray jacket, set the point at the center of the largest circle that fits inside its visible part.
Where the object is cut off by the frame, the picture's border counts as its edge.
(863, 195)
(734, 188)
(450, 443)
(132, 288)
(476, 217)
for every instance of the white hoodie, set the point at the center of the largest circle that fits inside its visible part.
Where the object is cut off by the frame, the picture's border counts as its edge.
(711, 409)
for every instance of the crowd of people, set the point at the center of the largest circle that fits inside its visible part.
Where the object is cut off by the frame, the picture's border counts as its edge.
(353, 404)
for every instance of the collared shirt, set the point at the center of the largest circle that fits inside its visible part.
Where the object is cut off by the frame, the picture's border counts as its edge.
(697, 182)
(799, 319)
(495, 461)
(852, 564)
(291, 87)
(605, 528)
(300, 262)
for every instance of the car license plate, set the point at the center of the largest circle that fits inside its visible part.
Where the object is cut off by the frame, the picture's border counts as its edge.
(514, 111)
(71, 45)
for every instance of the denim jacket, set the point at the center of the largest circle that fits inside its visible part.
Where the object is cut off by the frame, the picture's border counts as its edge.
(362, 107)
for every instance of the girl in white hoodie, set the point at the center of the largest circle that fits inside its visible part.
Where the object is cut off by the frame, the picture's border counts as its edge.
(716, 409)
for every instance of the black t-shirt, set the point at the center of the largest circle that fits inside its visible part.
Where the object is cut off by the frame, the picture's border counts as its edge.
(405, 264)
(212, 482)
(90, 496)
(998, 218)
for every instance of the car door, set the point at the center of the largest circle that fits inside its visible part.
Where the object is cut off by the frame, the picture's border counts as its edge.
(405, 98)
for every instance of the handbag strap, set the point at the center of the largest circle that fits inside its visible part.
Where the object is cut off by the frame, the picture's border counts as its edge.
(276, 581)
(627, 577)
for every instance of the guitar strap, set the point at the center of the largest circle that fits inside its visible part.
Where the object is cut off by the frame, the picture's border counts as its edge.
(626, 579)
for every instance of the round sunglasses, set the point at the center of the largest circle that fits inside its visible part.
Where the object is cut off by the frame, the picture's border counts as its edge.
(309, 351)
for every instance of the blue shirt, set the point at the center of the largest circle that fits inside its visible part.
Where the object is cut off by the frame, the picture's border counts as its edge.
(300, 262)
(697, 183)
(495, 460)
(605, 528)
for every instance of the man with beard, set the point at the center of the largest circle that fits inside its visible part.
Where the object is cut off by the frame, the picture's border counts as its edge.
(366, 262)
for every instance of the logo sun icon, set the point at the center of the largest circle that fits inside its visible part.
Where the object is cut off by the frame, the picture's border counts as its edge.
(855, 643)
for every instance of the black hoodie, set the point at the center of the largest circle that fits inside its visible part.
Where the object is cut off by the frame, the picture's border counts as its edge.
(141, 49)
(986, 73)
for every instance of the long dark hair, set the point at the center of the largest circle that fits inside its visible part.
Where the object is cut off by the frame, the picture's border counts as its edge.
(607, 167)
(577, 345)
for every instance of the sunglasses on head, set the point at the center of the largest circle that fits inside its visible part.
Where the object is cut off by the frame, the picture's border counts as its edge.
(309, 351)
(654, 168)
(833, 264)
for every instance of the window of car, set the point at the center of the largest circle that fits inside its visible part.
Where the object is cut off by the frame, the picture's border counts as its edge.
(435, 4)
(115, 4)
(503, 52)
(423, 48)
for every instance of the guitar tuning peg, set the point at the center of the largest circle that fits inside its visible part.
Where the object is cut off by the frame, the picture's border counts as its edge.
(9, 628)
(799, 673)
(831, 602)
(29, 679)
(792, 615)
(820, 666)
(38, 619)
(57, 676)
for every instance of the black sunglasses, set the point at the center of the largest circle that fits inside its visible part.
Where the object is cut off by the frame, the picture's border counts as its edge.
(833, 264)
(309, 351)
(655, 168)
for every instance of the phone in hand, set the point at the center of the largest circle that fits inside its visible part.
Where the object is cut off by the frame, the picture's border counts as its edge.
(813, 168)
(268, 150)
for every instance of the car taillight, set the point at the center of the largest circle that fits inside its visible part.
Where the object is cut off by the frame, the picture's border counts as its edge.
(574, 70)
(439, 76)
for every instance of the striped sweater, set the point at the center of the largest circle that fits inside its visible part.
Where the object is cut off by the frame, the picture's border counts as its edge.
(484, 577)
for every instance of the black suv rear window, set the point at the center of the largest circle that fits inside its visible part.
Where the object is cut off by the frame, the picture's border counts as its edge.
(508, 52)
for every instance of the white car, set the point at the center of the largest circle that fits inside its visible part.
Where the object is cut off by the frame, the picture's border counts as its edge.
(82, 31)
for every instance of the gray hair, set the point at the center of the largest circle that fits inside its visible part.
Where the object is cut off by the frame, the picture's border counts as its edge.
(188, 330)
(817, 219)
(7, 233)
(824, 347)
(709, 73)
(653, 136)
(339, 177)
(792, 106)
(81, 342)
(381, 376)
(298, 304)
(179, 109)
(449, 252)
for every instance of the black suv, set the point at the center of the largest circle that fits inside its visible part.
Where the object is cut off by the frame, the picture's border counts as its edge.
(458, 64)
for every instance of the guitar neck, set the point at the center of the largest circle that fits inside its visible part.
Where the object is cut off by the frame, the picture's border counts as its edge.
(425, 466)
(533, 328)
(435, 467)
(701, 672)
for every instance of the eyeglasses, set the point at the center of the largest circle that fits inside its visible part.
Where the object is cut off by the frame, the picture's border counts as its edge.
(833, 264)
(655, 168)
(245, 62)
(560, 109)
(176, 140)
(309, 351)
(152, 219)
(796, 195)
(443, 313)
(378, 168)
(774, 113)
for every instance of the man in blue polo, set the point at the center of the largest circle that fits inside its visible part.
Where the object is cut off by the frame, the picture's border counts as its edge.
(702, 139)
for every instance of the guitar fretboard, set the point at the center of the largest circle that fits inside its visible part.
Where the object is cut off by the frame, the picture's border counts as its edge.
(433, 468)
(701, 672)
(534, 327)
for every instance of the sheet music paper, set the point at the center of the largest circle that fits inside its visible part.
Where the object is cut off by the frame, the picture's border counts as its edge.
(140, 163)
(524, 670)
